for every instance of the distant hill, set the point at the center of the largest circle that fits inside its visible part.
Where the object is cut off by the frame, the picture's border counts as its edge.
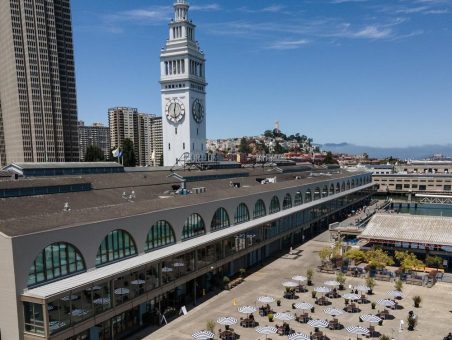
(410, 152)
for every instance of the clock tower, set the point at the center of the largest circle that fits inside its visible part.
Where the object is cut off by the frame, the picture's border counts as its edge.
(183, 91)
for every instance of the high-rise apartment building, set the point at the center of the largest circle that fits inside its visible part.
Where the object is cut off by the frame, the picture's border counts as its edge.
(96, 134)
(144, 130)
(37, 82)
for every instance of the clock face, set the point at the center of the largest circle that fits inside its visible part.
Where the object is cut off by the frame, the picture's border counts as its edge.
(174, 110)
(198, 111)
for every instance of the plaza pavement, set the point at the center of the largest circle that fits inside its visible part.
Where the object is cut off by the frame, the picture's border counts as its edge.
(434, 316)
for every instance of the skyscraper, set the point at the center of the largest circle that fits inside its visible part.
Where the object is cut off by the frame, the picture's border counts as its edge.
(183, 91)
(97, 135)
(37, 82)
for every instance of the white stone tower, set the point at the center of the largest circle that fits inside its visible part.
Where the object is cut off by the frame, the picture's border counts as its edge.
(183, 91)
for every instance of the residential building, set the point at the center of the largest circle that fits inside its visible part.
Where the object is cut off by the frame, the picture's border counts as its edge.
(37, 82)
(97, 135)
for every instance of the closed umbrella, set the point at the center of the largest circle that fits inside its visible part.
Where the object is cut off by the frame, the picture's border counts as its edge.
(303, 305)
(266, 330)
(203, 335)
(247, 309)
(299, 336)
(265, 299)
(333, 311)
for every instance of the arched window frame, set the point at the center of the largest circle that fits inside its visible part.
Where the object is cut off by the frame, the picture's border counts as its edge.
(338, 187)
(117, 245)
(161, 234)
(220, 219)
(241, 214)
(274, 205)
(317, 194)
(287, 202)
(331, 189)
(259, 209)
(298, 199)
(54, 262)
(308, 195)
(324, 191)
(194, 226)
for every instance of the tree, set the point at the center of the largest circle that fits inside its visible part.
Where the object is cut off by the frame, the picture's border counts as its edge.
(354, 254)
(278, 149)
(161, 160)
(94, 154)
(325, 254)
(329, 158)
(408, 261)
(378, 258)
(268, 133)
(244, 147)
(129, 157)
(434, 261)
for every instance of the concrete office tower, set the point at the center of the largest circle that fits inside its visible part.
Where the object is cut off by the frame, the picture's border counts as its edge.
(37, 82)
(97, 134)
(144, 130)
(183, 91)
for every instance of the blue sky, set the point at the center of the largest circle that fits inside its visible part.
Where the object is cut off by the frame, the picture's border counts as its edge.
(369, 72)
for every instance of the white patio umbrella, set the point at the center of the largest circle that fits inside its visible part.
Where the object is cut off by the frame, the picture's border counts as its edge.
(122, 291)
(385, 302)
(395, 293)
(78, 312)
(102, 301)
(299, 278)
(93, 289)
(318, 323)
(299, 336)
(358, 330)
(203, 335)
(167, 269)
(351, 296)
(54, 325)
(178, 264)
(138, 282)
(227, 321)
(303, 305)
(284, 316)
(322, 290)
(265, 299)
(333, 311)
(362, 288)
(331, 283)
(290, 284)
(266, 330)
(247, 309)
(370, 318)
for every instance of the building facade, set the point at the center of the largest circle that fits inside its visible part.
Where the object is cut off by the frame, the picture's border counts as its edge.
(183, 91)
(144, 130)
(103, 270)
(37, 82)
(97, 135)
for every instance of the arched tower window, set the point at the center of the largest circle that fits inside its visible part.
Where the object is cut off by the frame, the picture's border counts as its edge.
(274, 205)
(220, 219)
(193, 226)
(259, 209)
(298, 198)
(161, 234)
(287, 202)
(241, 214)
(117, 245)
(55, 261)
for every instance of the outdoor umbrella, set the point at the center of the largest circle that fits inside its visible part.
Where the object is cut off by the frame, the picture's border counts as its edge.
(138, 282)
(331, 283)
(54, 325)
(284, 316)
(303, 305)
(266, 330)
(70, 297)
(78, 312)
(178, 264)
(386, 302)
(358, 330)
(247, 309)
(167, 269)
(290, 284)
(395, 293)
(370, 318)
(102, 301)
(322, 290)
(333, 311)
(362, 288)
(318, 323)
(93, 289)
(265, 299)
(227, 321)
(299, 278)
(203, 335)
(351, 296)
(122, 291)
(299, 336)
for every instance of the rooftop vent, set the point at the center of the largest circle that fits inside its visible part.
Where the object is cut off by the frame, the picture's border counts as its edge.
(199, 190)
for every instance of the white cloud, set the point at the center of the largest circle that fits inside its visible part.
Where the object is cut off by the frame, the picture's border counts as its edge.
(273, 9)
(288, 44)
(206, 8)
(372, 32)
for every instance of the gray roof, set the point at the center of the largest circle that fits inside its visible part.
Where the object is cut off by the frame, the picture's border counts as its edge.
(64, 165)
(409, 228)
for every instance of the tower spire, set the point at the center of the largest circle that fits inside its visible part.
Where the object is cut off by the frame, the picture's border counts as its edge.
(181, 10)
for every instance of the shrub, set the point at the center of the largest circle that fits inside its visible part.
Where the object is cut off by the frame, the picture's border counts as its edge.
(417, 300)
(385, 337)
(242, 272)
(210, 325)
(398, 285)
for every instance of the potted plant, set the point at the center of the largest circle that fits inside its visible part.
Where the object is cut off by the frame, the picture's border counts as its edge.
(270, 317)
(210, 326)
(312, 309)
(417, 301)
(370, 282)
(242, 272)
(226, 281)
(278, 302)
(373, 304)
(340, 277)
(309, 276)
(313, 294)
(398, 285)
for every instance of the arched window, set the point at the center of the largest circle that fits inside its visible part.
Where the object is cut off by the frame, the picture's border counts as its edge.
(259, 209)
(325, 191)
(338, 188)
(298, 198)
(55, 261)
(287, 202)
(116, 245)
(332, 189)
(241, 214)
(308, 195)
(193, 226)
(348, 185)
(161, 234)
(274, 205)
(316, 193)
(353, 183)
(343, 186)
(220, 219)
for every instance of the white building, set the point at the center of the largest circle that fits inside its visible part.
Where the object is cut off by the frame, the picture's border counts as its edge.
(183, 92)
